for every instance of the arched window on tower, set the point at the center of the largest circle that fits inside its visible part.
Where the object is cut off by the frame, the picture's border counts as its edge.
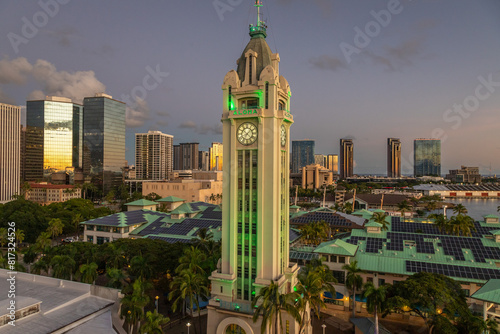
(267, 95)
(281, 105)
(250, 69)
(229, 99)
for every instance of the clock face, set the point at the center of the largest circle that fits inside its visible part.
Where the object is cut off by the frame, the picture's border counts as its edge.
(247, 133)
(283, 135)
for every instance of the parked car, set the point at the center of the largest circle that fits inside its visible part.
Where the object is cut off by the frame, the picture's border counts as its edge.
(69, 240)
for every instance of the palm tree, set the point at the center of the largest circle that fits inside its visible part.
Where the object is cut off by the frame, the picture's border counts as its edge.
(77, 219)
(311, 288)
(29, 257)
(192, 260)
(132, 308)
(459, 209)
(353, 281)
(63, 266)
(273, 301)
(403, 207)
(3, 236)
(140, 266)
(431, 206)
(55, 227)
(88, 272)
(375, 299)
(188, 286)
(25, 188)
(43, 242)
(441, 222)
(153, 322)
(116, 277)
(347, 207)
(462, 224)
(40, 266)
(380, 217)
(20, 236)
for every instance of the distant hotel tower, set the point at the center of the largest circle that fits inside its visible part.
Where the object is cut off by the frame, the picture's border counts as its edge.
(104, 141)
(186, 156)
(427, 157)
(332, 163)
(216, 155)
(302, 154)
(255, 228)
(393, 157)
(54, 129)
(346, 158)
(153, 155)
(10, 139)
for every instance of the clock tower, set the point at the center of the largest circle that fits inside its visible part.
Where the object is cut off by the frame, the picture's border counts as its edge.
(256, 123)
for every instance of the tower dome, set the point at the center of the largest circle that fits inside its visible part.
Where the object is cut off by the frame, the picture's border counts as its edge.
(259, 45)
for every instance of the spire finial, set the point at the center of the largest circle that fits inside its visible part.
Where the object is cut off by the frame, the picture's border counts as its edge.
(258, 30)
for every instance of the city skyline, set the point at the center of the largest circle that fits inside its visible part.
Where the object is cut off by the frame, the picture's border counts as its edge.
(410, 75)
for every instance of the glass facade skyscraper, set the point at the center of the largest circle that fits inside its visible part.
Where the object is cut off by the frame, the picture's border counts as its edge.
(393, 157)
(427, 157)
(104, 141)
(302, 154)
(346, 158)
(53, 137)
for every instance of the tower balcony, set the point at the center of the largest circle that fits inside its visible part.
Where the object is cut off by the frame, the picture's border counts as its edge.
(258, 31)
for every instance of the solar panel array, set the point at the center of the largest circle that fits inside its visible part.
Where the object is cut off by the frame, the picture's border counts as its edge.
(374, 245)
(294, 235)
(329, 217)
(131, 217)
(197, 205)
(303, 256)
(189, 224)
(354, 239)
(411, 227)
(455, 246)
(452, 270)
(209, 213)
(396, 242)
(170, 240)
(483, 187)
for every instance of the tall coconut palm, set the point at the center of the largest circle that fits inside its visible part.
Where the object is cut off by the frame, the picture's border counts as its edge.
(19, 236)
(272, 302)
(88, 272)
(29, 257)
(375, 298)
(55, 227)
(140, 267)
(353, 281)
(43, 242)
(186, 287)
(441, 222)
(311, 288)
(63, 266)
(380, 217)
(40, 266)
(116, 278)
(191, 260)
(132, 305)
(153, 323)
(461, 224)
(3, 236)
(403, 207)
(459, 209)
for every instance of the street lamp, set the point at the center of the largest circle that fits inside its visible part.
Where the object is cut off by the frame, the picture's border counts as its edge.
(156, 303)
(188, 325)
(324, 327)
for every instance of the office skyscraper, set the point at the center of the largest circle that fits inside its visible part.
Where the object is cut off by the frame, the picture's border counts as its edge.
(216, 156)
(302, 154)
(104, 141)
(393, 157)
(427, 157)
(186, 156)
(346, 158)
(332, 163)
(153, 155)
(10, 139)
(320, 159)
(53, 137)
(255, 220)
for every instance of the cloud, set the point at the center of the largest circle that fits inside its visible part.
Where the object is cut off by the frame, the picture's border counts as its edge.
(398, 57)
(163, 113)
(63, 36)
(36, 95)
(326, 62)
(14, 71)
(203, 129)
(73, 85)
(137, 114)
(188, 125)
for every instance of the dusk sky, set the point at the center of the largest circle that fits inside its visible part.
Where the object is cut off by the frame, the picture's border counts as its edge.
(407, 78)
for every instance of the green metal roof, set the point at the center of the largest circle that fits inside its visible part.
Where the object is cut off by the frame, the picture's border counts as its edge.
(495, 232)
(489, 292)
(379, 210)
(337, 247)
(490, 216)
(373, 224)
(142, 202)
(171, 199)
(184, 208)
(295, 207)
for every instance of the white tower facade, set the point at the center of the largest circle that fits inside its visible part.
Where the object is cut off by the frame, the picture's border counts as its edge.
(256, 122)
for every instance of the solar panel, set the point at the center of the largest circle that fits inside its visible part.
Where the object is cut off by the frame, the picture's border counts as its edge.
(453, 270)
